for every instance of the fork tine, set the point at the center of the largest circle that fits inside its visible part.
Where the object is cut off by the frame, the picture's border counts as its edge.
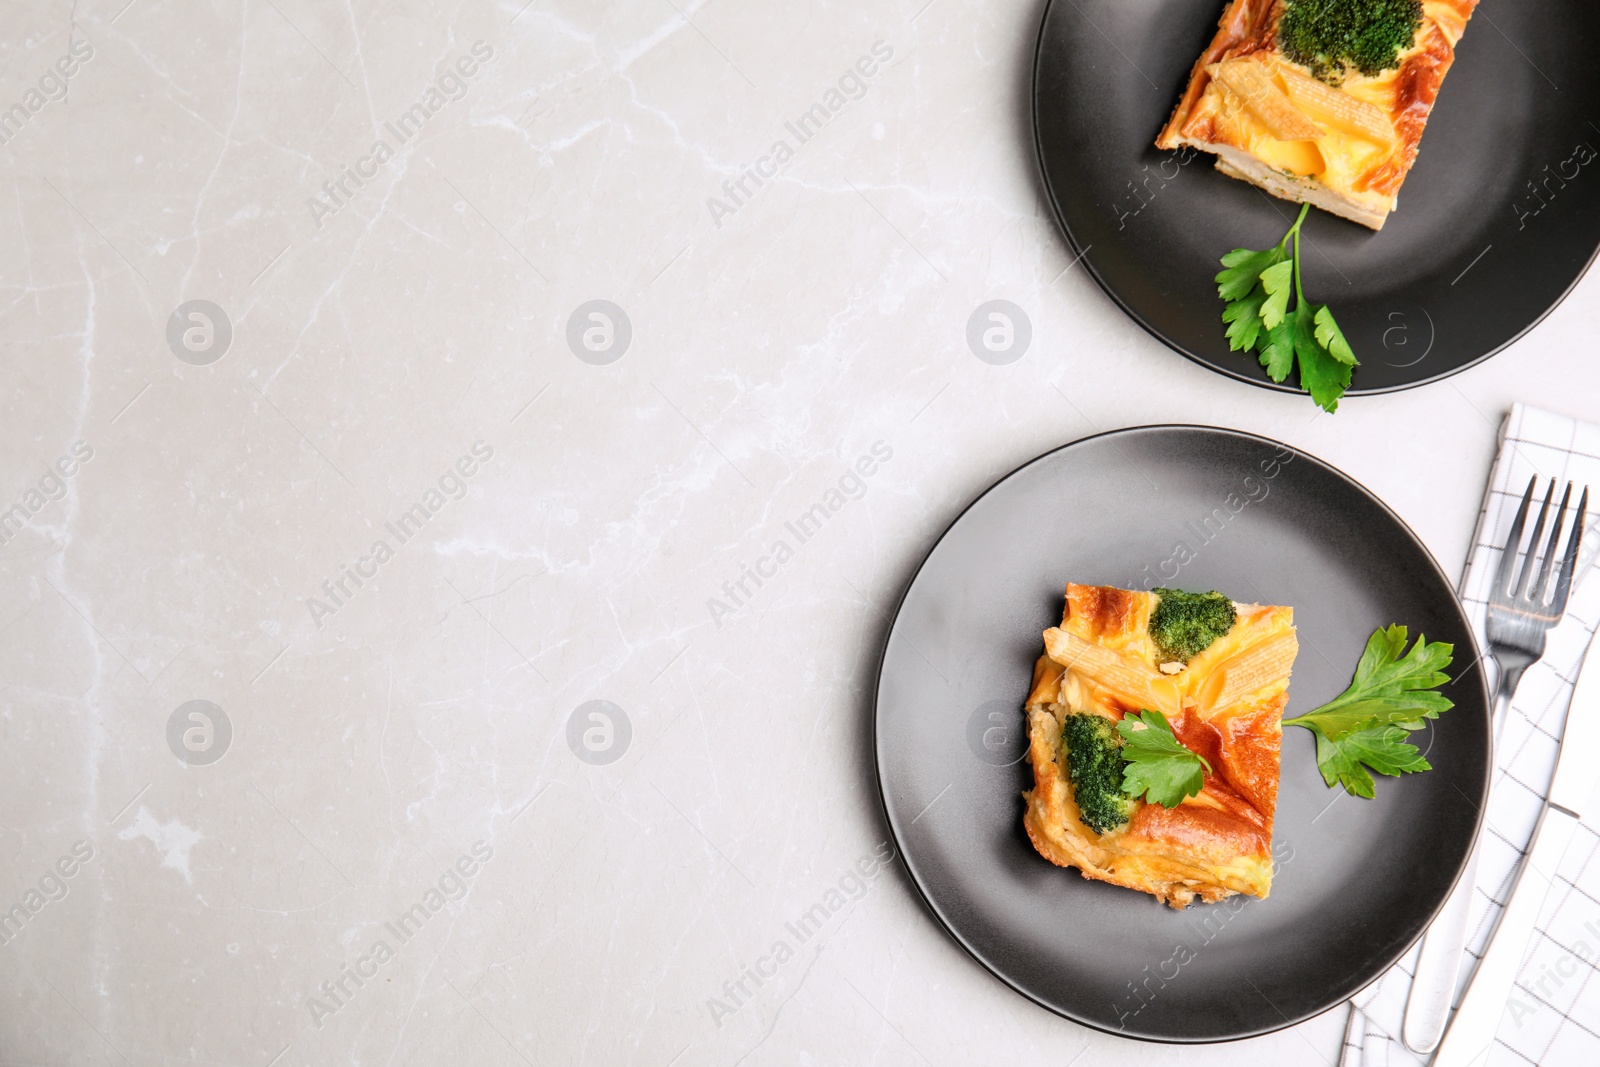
(1564, 580)
(1533, 546)
(1541, 586)
(1513, 545)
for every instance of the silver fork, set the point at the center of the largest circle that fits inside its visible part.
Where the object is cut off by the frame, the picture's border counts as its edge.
(1521, 613)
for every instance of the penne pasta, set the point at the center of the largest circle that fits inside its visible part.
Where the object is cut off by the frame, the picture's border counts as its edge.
(1133, 683)
(1252, 84)
(1254, 668)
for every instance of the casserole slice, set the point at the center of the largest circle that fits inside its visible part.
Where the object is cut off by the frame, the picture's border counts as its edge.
(1222, 690)
(1320, 101)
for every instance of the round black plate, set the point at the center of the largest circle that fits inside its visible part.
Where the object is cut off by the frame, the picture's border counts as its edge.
(1497, 221)
(1357, 880)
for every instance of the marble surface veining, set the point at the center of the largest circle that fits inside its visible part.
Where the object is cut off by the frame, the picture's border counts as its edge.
(398, 399)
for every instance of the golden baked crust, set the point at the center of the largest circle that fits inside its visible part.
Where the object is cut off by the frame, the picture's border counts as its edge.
(1227, 705)
(1348, 170)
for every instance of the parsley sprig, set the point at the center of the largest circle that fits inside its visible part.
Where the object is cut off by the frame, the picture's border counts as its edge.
(1159, 767)
(1257, 287)
(1365, 727)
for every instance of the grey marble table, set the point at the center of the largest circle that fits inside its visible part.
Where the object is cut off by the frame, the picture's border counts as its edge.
(405, 408)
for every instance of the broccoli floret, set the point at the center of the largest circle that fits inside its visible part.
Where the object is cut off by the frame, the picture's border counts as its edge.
(1094, 764)
(1184, 624)
(1329, 37)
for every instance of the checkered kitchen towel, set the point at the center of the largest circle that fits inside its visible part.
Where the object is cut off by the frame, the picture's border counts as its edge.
(1553, 1017)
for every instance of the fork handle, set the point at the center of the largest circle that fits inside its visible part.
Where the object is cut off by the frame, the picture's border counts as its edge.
(1439, 965)
(1433, 986)
(1509, 677)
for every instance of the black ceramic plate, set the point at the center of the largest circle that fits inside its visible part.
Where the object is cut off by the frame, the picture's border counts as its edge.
(1357, 880)
(1497, 221)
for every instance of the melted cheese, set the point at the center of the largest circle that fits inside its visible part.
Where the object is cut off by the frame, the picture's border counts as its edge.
(1337, 159)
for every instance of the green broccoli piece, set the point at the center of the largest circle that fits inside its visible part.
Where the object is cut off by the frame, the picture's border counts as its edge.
(1184, 624)
(1094, 764)
(1329, 37)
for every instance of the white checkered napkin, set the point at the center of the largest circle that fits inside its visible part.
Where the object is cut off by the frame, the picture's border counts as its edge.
(1553, 1017)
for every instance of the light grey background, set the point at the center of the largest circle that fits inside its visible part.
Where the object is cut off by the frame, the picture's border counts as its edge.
(376, 740)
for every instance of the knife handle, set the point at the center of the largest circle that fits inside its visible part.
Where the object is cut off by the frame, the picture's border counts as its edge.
(1470, 1038)
(1439, 965)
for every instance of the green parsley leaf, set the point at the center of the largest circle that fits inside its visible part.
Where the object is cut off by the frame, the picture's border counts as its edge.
(1389, 687)
(1277, 351)
(1276, 281)
(1382, 748)
(1159, 768)
(1244, 270)
(1321, 375)
(1258, 287)
(1394, 691)
(1329, 336)
(1245, 316)
(1240, 286)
